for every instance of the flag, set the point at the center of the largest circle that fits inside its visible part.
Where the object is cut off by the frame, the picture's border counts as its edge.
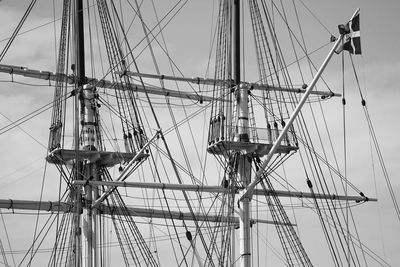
(352, 42)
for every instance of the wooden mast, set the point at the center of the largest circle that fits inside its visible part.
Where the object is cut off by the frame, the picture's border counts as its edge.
(86, 220)
(243, 160)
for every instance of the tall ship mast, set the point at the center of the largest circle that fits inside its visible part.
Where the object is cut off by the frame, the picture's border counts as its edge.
(146, 164)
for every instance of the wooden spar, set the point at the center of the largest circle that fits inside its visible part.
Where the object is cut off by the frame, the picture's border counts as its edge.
(64, 207)
(195, 80)
(154, 90)
(219, 189)
(208, 81)
(50, 206)
(176, 215)
(266, 87)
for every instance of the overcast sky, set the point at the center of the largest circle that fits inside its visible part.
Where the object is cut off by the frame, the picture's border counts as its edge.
(378, 70)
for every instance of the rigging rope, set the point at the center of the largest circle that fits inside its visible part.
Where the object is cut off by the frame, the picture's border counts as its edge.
(179, 136)
(60, 88)
(28, 116)
(376, 144)
(292, 246)
(15, 33)
(313, 161)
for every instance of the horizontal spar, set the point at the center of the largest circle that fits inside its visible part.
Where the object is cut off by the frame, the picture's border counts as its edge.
(208, 81)
(63, 207)
(51, 206)
(195, 80)
(153, 90)
(70, 79)
(267, 87)
(177, 215)
(220, 189)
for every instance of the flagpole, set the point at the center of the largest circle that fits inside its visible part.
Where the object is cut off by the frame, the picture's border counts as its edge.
(355, 14)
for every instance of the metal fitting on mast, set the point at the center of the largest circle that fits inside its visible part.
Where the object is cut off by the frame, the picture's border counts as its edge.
(88, 112)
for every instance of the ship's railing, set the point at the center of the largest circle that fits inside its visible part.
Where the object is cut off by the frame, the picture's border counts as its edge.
(219, 132)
